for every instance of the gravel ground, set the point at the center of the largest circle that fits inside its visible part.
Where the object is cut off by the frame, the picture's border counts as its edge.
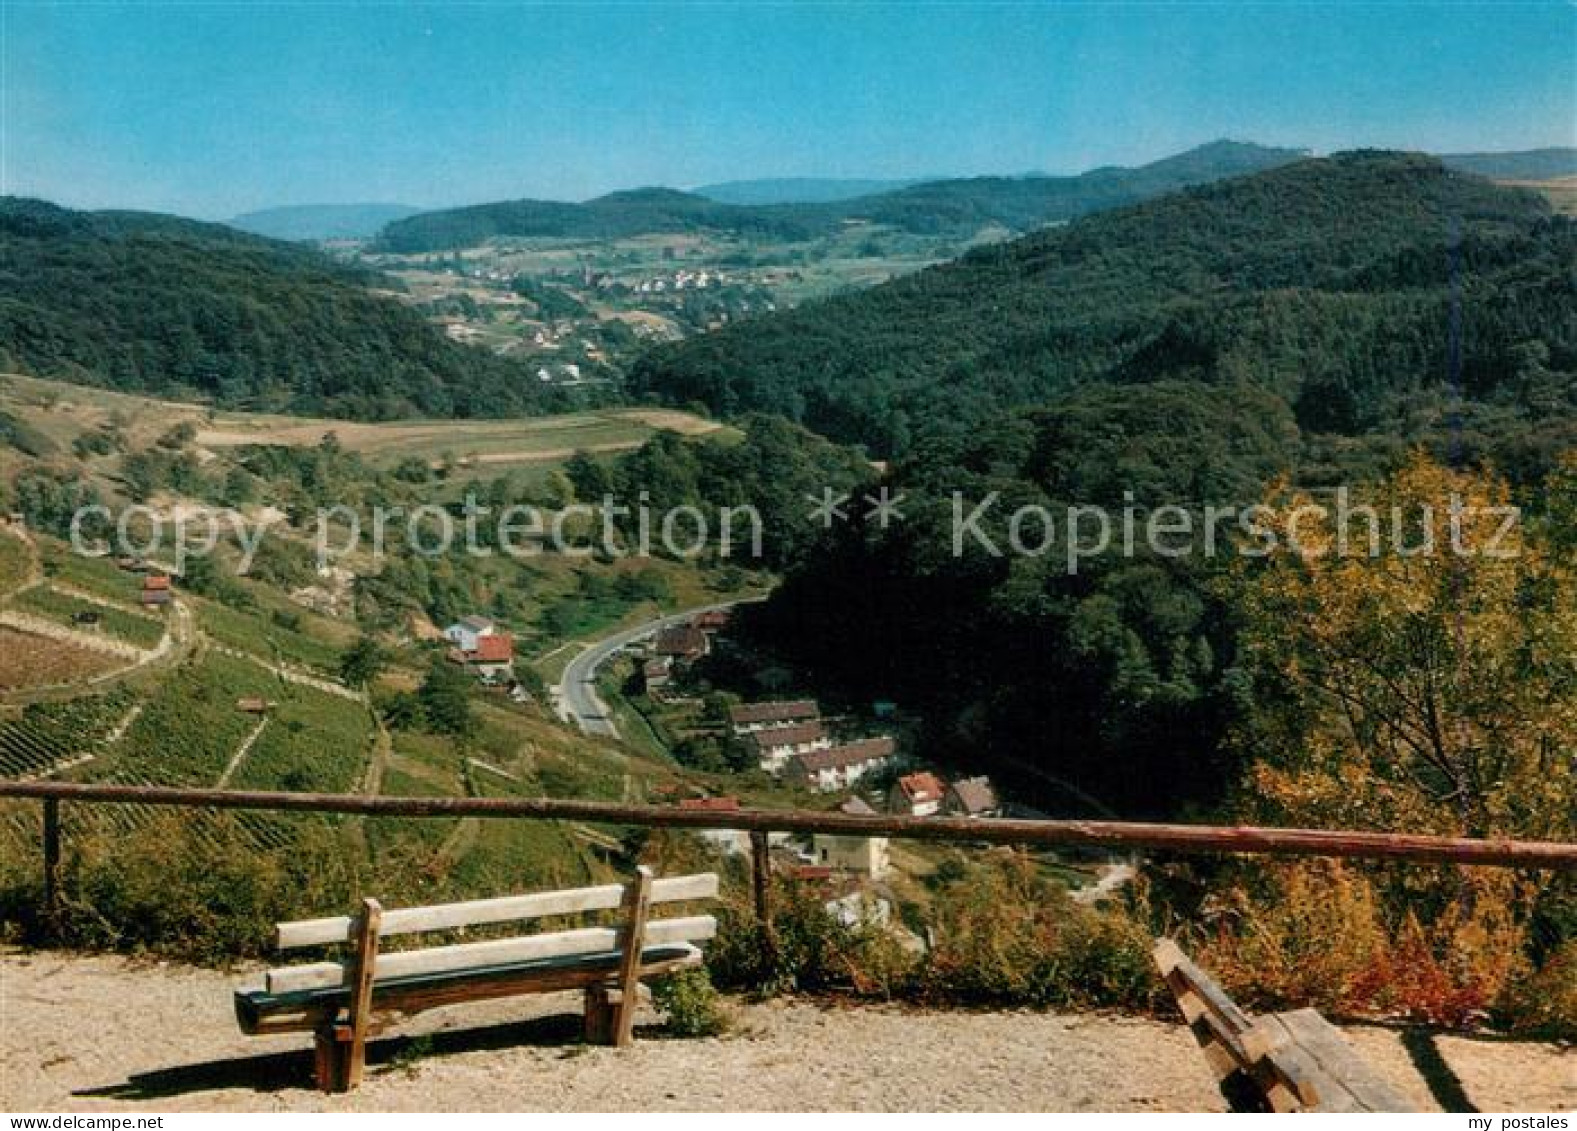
(81, 1034)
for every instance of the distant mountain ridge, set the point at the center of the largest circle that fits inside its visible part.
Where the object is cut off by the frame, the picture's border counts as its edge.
(322, 221)
(952, 206)
(1525, 165)
(1324, 281)
(800, 190)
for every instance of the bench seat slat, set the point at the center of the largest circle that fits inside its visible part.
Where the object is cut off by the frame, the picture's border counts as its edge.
(1337, 1060)
(493, 952)
(480, 912)
(259, 1012)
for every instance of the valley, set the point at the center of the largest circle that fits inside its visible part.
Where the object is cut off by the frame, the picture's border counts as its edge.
(578, 311)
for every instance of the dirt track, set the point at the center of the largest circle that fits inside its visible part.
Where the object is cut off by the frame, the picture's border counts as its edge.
(80, 1034)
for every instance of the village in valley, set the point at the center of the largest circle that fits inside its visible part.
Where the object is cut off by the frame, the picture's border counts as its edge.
(789, 752)
(579, 310)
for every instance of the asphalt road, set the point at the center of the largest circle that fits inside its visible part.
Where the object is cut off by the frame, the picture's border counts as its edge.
(578, 701)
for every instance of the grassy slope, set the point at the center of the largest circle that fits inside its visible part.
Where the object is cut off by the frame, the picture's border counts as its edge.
(61, 412)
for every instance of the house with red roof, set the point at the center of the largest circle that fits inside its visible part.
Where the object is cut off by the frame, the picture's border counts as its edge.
(491, 655)
(917, 795)
(156, 589)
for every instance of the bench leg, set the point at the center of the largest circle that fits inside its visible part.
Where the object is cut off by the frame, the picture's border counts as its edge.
(337, 1062)
(352, 1057)
(598, 1027)
(326, 1056)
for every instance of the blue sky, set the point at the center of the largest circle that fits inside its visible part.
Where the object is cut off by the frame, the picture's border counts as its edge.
(211, 109)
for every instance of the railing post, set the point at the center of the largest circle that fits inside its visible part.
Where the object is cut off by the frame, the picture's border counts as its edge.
(761, 877)
(52, 866)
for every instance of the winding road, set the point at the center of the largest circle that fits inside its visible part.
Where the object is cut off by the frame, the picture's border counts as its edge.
(576, 692)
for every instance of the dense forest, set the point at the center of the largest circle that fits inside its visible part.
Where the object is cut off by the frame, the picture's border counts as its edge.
(1319, 322)
(961, 206)
(1328, 283)
(155, 304)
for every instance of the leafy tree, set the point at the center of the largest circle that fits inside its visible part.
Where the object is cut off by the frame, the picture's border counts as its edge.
(363, 661)
(413, 469)
(445, 697)
(1428, 691)
(590, 479)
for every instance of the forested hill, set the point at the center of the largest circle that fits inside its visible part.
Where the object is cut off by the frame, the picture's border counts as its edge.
(951, 206)
(1188, 353)
(617, 215)
(1328, 283)
(148, 303)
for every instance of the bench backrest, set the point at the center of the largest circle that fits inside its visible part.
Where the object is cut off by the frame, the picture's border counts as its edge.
(1297, 1061)
(1204, 1004)
(1233, 1042)
(635, 896)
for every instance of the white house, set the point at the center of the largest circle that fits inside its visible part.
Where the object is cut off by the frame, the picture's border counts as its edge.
(864, 855)
(837, 767)
(776, 746)
(748, 718)
(465, 632)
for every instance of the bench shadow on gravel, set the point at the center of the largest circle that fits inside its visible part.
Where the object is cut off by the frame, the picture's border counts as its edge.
(274, 1072)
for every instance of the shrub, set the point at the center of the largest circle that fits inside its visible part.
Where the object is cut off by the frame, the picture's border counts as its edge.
(1006, 934)
(691, 1003)
(1332, 936)
(1003, 934)
(191, 885)
(807, 949)
(1545, 1003)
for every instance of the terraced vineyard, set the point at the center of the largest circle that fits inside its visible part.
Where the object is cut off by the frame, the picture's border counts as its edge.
(261, 634)
(14, 561)
(191, 727)
(313, 742)
(28, 661)
(99, 576)
(46, 735)
(421, 766)
(139, 629)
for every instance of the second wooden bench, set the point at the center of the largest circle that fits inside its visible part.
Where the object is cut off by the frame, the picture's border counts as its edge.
(1293, 1061)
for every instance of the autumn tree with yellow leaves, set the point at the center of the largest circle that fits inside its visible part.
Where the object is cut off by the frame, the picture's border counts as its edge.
(1414, 661)
(1416, 655)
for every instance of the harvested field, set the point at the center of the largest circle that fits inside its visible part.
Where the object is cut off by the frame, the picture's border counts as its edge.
(36, 661)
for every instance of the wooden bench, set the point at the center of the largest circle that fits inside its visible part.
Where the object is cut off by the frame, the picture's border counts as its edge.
(342, 1002)
(1293, 1061)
